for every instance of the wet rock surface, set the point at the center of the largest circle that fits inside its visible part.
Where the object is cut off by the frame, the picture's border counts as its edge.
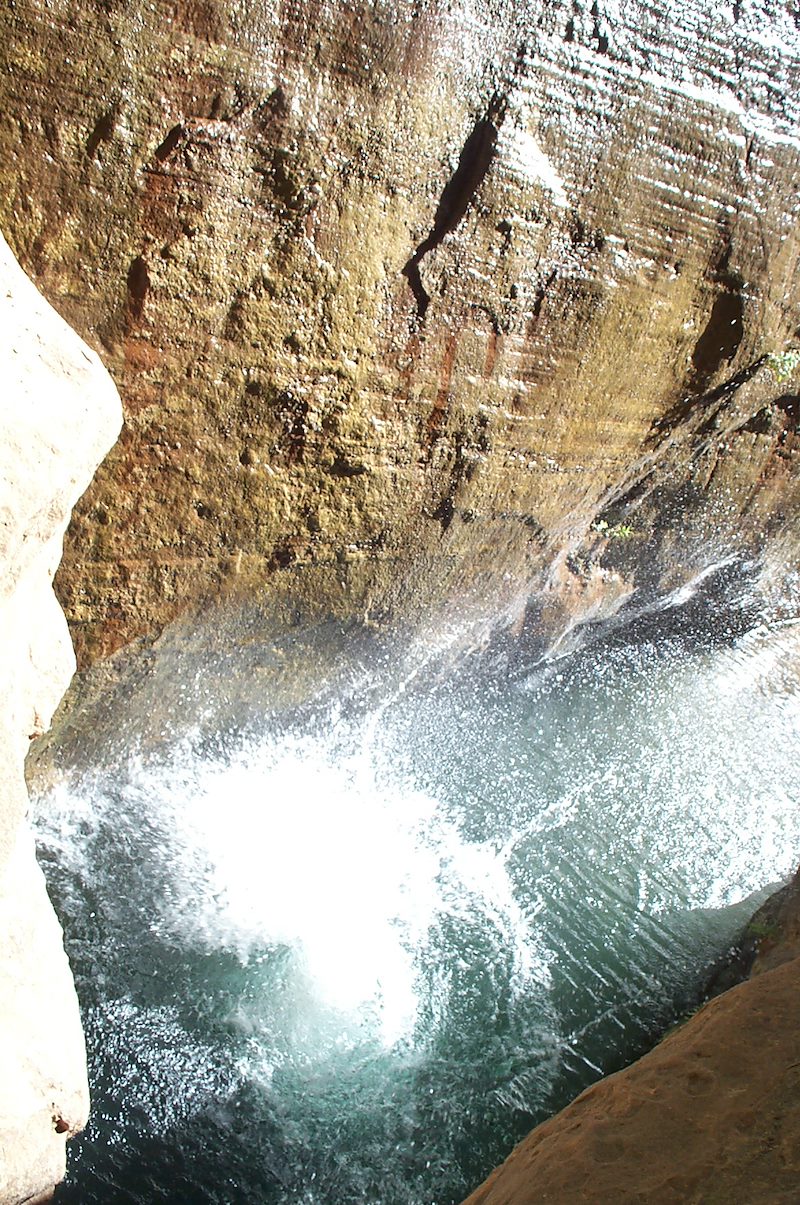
(423, 309)
(409, 302)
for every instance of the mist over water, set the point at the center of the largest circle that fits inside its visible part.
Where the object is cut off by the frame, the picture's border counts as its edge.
(352, 952)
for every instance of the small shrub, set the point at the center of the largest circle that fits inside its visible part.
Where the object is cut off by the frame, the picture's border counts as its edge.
(783, 364)
(613, 531)
(762, 930)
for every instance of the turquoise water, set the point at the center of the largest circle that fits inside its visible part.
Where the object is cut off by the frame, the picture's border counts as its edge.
(353, 951)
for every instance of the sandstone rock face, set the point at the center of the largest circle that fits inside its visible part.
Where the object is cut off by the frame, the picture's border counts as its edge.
(59, 413)
(409, 303)
(710, 1115)
(417, 307)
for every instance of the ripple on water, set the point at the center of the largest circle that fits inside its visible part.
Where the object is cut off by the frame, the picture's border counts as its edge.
(355, 960)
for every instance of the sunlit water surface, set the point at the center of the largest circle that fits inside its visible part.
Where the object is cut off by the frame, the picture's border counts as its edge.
(353, 955)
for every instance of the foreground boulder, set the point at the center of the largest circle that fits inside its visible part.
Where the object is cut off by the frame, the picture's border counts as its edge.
(711, 1115)
(59, 414)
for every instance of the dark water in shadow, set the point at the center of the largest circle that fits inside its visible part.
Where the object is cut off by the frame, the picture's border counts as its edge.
(353, 954)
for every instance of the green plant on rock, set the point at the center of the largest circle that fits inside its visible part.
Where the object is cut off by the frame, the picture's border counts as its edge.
(762, 930)
(613, 531)
(783, 364)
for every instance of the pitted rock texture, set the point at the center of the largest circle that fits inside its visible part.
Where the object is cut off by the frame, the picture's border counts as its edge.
(59, 412)
(408, 302)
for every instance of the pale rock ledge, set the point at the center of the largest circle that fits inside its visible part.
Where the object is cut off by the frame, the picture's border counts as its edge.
(59, 415)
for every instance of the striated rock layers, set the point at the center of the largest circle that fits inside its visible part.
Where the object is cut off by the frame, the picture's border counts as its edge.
(417, 302)
(59, 413)
(411, 303)
(711, 1115)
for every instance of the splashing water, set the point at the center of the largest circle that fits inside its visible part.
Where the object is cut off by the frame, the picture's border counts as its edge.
(355, 958)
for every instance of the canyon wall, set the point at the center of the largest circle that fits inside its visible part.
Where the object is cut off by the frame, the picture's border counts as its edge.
(417, 307)
(59, 414)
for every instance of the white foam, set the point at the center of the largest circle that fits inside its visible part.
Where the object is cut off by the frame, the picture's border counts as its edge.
(299, 842)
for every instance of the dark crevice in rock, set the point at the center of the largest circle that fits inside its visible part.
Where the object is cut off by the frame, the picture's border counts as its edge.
(749, 151)
(444, 512)
(346, 468)
(505, 229)
(421, 295)
(620, 503)
(600, 38)
(720, 340)
(473, 164)
(699, 418)
(789, 403)
(138, 287)
(283, 555)
(468, 445)
(704, 402)
(102, 132)
(759, 423)
(498, 327)
(172, 139)
(541, 293)
(584, 238)
(293, 415)
(724, 330)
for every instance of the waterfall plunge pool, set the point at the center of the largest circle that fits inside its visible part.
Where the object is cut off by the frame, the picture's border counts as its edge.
(354, 950)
